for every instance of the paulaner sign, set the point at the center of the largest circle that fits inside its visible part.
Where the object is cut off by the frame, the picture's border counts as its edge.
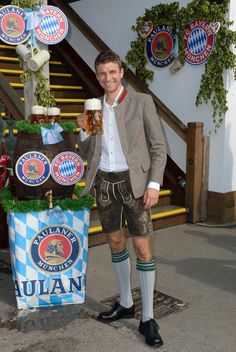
(47, 287)
(49, 252)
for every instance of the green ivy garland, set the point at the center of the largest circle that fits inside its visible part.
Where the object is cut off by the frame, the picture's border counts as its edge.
(25, 126)
(25, 206)
(212, 86)
(42, 93)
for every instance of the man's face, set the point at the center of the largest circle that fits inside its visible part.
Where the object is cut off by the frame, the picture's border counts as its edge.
(109, 76)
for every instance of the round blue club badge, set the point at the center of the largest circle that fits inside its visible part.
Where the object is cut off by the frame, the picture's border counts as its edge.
(12, 25)
(159, 46)
(33, 168)
(199, 41)
(67, 168)
(55, 249)
(53, 25)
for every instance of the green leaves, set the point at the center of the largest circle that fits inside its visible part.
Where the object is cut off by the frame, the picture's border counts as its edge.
(212, 88)
(25, 126)
(27, 3)
(26, 206)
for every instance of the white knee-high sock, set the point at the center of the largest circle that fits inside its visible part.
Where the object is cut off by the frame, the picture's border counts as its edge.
(146, 277)
(121, 266)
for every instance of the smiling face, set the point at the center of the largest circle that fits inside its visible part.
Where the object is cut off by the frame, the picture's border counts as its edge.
(109, 76)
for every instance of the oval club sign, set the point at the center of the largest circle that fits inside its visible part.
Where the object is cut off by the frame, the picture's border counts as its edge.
(55, 249)
(159, 46)
(67, 168)
(199, 41)
(12, 25)
(53, 25)
(33, 168)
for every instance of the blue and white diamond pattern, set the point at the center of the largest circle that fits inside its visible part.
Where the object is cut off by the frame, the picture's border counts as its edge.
(22, 228)
(197, 41)
(67, 168)
(50, 25)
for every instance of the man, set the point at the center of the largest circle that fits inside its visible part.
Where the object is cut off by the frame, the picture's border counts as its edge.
(126, 163)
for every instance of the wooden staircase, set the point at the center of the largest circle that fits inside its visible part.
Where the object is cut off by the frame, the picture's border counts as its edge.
(70, 96)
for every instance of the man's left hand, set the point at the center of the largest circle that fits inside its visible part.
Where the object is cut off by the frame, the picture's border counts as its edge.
(150, 197)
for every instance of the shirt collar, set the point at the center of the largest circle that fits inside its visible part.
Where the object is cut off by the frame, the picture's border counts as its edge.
(115, 103)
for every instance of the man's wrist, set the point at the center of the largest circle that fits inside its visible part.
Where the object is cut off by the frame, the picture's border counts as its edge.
(154, 185)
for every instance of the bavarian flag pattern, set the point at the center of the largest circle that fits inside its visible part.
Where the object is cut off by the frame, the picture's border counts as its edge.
(49, 251)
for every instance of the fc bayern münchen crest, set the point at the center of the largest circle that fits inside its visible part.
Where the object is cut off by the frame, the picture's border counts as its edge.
(199, 42)
(159, 46)
(33, 168)
(12, 25)
(67, 168)
(55, 249)
(53, 25)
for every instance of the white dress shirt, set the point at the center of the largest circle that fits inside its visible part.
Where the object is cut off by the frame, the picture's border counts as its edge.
(112, 156)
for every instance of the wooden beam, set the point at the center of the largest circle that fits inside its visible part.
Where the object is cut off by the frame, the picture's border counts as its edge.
(194, 170)
(10, 99)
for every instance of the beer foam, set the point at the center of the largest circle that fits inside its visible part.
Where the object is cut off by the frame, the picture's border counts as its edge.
(37, 110)
(93, 104)
(53, 111)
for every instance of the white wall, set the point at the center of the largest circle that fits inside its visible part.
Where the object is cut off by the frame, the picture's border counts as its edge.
(222, 176)
(112, 21)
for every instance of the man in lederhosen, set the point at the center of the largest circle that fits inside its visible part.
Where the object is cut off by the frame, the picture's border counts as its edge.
(126, 165)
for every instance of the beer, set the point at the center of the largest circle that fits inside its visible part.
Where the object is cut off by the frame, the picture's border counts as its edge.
(93, 116)
(53, 115)
(37, 114)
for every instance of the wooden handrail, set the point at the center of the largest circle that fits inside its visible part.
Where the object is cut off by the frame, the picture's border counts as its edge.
(10, 99)
(169, 117)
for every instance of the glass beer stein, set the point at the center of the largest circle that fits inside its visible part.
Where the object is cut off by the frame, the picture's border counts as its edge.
(37, 114)
(93, 116)
(53, 115)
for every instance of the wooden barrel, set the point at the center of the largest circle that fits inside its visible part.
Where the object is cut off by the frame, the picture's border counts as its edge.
(31, 142)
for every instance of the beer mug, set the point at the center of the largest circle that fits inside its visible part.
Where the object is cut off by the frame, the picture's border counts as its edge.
(93, 116)
(37, 114)
(53, 115)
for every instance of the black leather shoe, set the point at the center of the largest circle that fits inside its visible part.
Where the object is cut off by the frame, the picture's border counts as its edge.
(117, 312)
(149, 329)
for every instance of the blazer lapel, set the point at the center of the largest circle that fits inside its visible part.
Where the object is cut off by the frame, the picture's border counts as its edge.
(120, 110)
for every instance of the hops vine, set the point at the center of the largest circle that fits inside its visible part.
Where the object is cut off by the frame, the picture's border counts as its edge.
(42, 93)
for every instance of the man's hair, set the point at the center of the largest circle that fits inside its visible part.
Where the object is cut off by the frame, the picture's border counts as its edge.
(107, 56)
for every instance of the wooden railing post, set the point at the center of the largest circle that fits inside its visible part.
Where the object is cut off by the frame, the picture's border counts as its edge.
(194, 170)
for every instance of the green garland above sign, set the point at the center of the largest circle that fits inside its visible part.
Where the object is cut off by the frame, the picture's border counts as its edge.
(221, 57)
(25, 206)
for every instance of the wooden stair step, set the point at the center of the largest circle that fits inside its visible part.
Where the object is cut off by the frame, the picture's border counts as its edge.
(52, 86)
(18, 72)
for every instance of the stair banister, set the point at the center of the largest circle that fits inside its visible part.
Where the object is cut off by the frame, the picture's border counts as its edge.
(10, 99)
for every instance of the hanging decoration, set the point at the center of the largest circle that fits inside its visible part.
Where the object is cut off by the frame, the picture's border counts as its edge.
(159, 46)
(146, 29)
(53, 26)
(199, 41)
(46, 24)
(13, 29)
(214, 49)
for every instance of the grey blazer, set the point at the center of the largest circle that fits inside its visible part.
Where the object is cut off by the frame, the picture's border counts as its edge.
(142, 141)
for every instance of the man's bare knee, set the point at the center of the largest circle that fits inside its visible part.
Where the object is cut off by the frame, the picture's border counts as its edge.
(117, 240)
(143, 248)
